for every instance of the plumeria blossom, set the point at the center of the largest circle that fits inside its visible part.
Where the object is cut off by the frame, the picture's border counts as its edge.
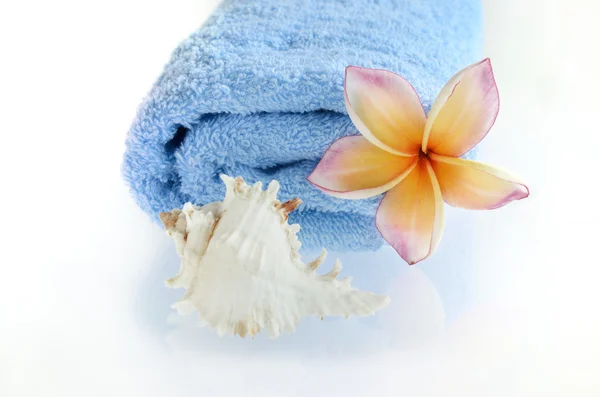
(416, 158)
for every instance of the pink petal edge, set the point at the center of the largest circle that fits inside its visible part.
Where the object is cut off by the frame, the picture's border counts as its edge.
(521, 190)
(359, 193)
(438, 225)
(357, 121)
(453, 83)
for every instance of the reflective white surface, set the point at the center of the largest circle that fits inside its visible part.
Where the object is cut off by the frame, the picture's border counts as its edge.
(506, 307)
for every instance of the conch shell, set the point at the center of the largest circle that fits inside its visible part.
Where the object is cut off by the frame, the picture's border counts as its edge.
(241, 269)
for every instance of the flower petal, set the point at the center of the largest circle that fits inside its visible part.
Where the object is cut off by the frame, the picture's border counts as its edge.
(411, 216)
(463, 112)
(474, 185)
(385, 108)
(354, 168)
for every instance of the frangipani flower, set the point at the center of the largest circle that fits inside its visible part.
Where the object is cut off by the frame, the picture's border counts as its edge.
(416, 158)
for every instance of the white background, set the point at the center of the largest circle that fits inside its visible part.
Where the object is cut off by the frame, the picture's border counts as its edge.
(83, 308)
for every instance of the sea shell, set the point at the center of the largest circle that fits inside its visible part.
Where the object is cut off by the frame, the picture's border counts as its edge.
(241, 269)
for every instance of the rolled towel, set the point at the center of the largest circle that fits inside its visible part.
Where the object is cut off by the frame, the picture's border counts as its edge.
(257, 92)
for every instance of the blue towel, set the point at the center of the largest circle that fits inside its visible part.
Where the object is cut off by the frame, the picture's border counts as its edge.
(257, 92)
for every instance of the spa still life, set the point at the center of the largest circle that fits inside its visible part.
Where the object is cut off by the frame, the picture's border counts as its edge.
(240, 264)
(359, 145)
(303, 198)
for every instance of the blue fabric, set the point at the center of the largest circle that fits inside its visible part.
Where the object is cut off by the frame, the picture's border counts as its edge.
(258, 92)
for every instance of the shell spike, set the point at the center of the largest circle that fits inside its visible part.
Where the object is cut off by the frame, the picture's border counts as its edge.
(313, 265)
(227, 180)
(169, 219)
(294, 228)
(335, 270)
(290, 205)
(229, 187)
(257, 187)
(240, 186)
(273, 189)
(287, 207)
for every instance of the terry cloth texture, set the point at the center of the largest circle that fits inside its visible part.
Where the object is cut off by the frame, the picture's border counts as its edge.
(257, 92)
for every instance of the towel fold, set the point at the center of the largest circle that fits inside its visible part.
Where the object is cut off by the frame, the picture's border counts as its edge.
(257, 91)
